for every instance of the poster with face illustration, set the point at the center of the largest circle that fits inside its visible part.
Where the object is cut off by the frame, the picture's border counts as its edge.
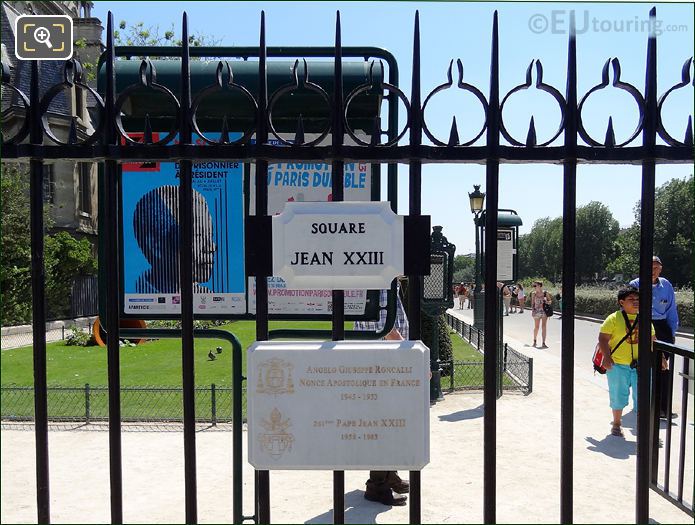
(151, 246)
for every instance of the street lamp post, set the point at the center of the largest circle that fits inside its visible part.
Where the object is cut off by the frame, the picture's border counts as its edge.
(477, 199)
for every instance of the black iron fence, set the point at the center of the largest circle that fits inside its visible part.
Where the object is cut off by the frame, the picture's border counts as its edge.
(569, 146)
(141, 404)
(670, 479)
(516, 369)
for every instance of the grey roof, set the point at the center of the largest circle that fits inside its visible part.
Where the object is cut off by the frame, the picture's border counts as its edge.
(50, 72)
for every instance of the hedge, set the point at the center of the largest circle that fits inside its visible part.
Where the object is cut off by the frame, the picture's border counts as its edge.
(601, 301)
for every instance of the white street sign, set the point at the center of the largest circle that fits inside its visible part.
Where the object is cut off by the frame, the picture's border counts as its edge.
(505, 255)
(338, 245)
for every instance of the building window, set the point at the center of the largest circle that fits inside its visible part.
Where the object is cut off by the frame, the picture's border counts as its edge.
(85, 187)
(49, 184)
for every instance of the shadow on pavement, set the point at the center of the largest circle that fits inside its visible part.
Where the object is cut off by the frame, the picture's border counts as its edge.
(613, 446)
(471, 413)
(357, 509)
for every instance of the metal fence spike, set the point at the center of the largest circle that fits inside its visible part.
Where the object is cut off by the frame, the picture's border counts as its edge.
(299, 134)
(688, 140)
(610, 134)
(531, 135)
(147, 135)
(224, 134)
(72, 134)
(453, 134)
(375, 139)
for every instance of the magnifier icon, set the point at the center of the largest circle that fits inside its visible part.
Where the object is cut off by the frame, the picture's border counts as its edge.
(42, 36)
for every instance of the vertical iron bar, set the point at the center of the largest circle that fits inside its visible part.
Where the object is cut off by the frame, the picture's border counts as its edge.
(645, 273)
(392, 132)
(655, 400)
(87, 410)
(38, 303)
(213, 405)
(498, 340)
(569, 221)
(186, 283)
(684, 412)
(669, 420)
(490, 363)
(338, 194)
(415, 209)
(237, 481)
(263, 476)
(477, 321)
(113, 283)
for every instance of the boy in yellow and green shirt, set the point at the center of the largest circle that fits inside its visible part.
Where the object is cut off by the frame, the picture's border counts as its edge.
(621, 361)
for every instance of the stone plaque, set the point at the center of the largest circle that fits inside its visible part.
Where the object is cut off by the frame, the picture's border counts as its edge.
(338, 245)
(339, 405)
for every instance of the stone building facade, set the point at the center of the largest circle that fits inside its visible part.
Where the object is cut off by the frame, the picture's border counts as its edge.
(70, 187)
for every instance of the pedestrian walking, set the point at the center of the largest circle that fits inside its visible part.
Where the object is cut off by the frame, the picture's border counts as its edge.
(539, 298)
(618, 340)
(515, 299)
(558, 298)
(521, 296)
(506, 298)
(665, 321)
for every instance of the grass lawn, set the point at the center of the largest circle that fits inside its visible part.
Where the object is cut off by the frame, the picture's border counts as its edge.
(462, 350)
(154, 364)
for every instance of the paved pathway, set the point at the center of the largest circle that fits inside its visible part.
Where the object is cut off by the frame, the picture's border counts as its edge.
(528, 464)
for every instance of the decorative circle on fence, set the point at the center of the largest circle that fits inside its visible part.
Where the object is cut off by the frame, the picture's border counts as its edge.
(225, 86)
(148, 77)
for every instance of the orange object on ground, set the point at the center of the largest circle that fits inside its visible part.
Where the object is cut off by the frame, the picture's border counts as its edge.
(125, 323)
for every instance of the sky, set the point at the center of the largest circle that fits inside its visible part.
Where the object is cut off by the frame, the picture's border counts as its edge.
(462, 30)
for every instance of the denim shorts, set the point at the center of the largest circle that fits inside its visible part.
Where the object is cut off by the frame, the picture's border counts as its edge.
(620, 379)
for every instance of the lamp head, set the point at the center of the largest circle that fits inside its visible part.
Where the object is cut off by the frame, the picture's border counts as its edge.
(477, 199)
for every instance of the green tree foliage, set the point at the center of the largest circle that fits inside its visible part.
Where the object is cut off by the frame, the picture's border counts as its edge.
(15, 273)
(540, 250)
(673, 229)
(464, 269)
(597, 231)
(626, 253)
(64, 256)
(673, 234)
(139, 34)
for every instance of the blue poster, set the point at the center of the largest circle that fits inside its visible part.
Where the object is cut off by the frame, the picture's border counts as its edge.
(151, 237)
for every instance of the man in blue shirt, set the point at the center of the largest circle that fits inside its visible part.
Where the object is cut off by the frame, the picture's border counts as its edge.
(665, 321)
